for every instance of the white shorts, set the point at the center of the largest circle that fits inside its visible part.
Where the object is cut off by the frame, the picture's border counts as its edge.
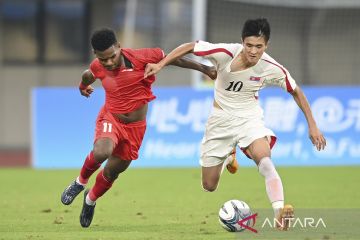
(224, 131)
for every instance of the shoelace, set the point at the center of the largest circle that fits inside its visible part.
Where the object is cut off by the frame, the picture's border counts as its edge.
(74, 188)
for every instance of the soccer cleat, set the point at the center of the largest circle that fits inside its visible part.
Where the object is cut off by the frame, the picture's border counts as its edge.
(233, 164)
(286, 214)
(70, 193)
(87, 212)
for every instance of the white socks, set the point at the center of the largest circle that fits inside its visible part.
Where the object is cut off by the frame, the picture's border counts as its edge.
(277, 206)
(274, 187)
(89, 201)
(78, 181)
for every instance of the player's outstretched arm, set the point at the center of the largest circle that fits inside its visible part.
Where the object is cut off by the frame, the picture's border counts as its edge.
(185, 62)
(178, 52)
(85, 87)
(315, 134)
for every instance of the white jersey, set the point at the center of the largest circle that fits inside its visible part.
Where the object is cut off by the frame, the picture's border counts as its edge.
(237, 92)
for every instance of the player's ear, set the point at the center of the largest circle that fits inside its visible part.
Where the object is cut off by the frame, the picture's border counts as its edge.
(266, 44)
(118, 45)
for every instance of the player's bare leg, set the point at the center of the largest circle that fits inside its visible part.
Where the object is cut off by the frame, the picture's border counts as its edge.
(104, 181)
(101, 151)
(232, 164)
(210, 177)
(260, 152)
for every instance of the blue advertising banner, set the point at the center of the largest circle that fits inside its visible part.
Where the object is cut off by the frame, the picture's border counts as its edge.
(63, 124)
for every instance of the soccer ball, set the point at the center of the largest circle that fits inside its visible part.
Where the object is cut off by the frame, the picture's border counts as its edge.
(232, 212)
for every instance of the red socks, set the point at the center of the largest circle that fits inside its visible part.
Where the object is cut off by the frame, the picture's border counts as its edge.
(101, 186)
(89, 167)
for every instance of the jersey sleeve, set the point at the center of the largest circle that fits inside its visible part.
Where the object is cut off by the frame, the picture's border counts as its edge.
(218, 53)
(153, 55)
(279, 76)
(96, 69)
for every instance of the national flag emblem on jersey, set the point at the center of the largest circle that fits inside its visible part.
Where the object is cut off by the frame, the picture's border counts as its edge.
(252, 78)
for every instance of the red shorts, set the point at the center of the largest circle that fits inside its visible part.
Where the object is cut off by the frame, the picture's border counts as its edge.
(126, 137)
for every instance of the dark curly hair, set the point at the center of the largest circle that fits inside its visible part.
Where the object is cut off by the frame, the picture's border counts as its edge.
(102, 39)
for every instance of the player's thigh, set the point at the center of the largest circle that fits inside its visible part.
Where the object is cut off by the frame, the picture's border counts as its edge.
(129, 149)
(218, 140)
(259, 149)
(106, 135)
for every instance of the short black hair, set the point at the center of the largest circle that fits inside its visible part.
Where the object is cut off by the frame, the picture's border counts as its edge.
(256, 27)
(102, 39)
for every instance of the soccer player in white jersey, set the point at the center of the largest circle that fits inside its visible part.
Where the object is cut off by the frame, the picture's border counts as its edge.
(237, 118)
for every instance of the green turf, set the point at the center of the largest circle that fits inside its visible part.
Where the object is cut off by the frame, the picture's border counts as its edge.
(170, 204)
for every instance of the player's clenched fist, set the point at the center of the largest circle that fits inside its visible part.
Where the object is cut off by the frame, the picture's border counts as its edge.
(86, 91)
(85, 87)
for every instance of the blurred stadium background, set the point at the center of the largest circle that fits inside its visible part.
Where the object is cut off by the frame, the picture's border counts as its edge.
(46, 44)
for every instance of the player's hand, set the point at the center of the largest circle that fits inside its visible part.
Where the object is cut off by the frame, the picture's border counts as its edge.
(151, 69)
(211, 72)
(317, 138)
(87, 91)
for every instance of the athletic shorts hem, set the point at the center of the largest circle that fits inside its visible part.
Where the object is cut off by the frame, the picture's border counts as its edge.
(212, 162)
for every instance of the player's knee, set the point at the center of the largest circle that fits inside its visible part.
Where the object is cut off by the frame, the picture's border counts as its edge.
(101, 155)
(208, 186)
(102, 150)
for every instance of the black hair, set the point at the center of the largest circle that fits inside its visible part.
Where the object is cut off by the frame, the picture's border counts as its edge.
(102, 39)
(256, 27)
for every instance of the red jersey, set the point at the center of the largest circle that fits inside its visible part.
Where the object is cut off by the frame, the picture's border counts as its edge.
(125, 88)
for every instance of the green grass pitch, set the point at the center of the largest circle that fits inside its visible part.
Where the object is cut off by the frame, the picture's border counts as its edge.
(170, 204)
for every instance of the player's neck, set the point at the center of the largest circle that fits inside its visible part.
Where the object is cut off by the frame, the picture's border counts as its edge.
(243, 62)
(121, 61)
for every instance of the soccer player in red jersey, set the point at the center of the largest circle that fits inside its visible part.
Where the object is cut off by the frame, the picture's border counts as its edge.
(121, 122)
